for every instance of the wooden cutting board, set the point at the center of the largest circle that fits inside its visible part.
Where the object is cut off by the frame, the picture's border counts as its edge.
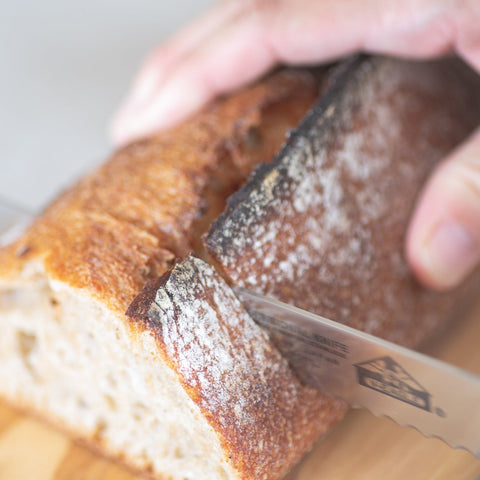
(360, 447)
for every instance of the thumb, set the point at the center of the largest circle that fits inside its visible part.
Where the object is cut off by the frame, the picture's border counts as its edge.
(443, 240)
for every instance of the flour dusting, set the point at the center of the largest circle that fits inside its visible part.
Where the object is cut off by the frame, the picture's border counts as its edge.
(324, 226)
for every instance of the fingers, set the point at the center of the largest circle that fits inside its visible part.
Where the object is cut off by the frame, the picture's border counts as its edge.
(241, 39)
(443, 241)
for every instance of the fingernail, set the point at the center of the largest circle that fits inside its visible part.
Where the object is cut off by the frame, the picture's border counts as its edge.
(450, 254)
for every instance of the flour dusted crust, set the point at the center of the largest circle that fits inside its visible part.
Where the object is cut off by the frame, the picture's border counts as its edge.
(323, 225)
(265, 417)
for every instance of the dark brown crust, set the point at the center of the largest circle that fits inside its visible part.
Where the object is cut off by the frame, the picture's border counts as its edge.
(323, 225)
(265, 418)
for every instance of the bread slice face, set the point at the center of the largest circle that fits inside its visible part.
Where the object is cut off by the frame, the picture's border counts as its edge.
(323, 226)
(89, 374)
(69, 353)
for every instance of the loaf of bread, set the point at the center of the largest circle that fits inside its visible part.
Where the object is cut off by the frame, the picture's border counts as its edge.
(114, 332)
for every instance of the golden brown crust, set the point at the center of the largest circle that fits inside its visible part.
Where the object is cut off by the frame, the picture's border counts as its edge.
(125, 223)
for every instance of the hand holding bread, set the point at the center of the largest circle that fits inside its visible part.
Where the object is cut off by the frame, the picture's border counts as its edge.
(112, 331)
(115, 332)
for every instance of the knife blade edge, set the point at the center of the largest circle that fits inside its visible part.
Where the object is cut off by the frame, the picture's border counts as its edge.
(397, 392)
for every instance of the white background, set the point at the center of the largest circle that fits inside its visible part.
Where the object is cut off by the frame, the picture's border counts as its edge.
(65, 65)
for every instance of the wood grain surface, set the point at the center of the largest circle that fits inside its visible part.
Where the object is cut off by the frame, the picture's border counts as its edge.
(360, 447)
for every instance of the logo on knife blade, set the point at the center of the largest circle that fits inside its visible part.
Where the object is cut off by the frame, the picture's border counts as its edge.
(386, 376)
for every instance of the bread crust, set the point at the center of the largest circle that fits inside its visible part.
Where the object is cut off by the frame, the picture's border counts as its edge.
(323, 225)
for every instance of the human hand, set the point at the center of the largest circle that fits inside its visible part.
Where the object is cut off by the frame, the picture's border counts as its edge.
(241, 39)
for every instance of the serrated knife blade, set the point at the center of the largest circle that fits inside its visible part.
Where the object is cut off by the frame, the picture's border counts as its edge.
(392, 381)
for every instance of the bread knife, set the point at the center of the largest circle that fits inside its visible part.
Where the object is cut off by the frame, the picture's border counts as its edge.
(412, 389)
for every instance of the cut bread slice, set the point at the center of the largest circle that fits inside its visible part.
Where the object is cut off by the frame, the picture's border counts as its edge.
(263, 417)
(186, 386)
